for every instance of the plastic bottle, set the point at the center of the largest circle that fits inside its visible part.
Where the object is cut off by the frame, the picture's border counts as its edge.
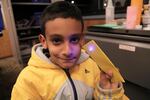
(109, 12)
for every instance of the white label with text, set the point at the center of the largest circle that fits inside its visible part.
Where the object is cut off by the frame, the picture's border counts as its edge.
(127, 47)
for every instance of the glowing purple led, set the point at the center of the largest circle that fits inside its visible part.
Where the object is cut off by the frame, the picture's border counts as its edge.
(91, 47)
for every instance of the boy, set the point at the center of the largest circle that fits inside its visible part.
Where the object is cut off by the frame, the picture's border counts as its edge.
(58, 69)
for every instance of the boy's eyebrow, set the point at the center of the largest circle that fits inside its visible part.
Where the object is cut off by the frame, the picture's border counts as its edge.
(58, 35)
(76, 33)
(54, 35)
(79, 34)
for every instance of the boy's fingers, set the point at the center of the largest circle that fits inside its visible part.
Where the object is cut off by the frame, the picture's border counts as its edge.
(104, 76)
(108, 75)
(105, 80)
(114, 85)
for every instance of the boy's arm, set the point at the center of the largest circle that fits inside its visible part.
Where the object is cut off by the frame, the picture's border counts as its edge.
(24, 90)
(109, 82)
(19, 93)
(109, 94)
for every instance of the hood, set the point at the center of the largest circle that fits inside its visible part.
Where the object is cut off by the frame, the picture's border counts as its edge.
(39, 59)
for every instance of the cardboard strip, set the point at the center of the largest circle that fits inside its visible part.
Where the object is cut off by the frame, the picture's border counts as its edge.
(102, 60)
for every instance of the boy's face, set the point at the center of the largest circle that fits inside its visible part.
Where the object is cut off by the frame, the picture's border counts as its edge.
(64, 39)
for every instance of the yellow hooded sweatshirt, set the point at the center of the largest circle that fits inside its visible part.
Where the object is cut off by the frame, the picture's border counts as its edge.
(43, 80)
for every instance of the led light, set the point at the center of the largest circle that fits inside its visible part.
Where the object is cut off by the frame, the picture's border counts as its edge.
(91, 47)
(72, 1)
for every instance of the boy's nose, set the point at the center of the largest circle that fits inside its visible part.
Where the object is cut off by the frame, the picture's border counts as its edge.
(67, 51)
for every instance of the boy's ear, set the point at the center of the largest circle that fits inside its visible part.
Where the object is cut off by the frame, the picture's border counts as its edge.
(43, 41)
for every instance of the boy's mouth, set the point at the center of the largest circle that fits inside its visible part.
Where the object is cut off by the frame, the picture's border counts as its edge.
(68, 59)
(65, 61)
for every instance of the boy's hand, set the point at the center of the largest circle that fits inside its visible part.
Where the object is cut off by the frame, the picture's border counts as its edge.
(105, 80)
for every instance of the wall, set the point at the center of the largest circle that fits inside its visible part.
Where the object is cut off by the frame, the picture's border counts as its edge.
(9, 39)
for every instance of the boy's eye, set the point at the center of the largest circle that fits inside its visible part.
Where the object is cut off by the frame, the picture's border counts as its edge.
(75, 39)
(56, 41)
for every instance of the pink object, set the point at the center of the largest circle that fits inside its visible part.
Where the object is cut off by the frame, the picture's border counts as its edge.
(132, 14)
